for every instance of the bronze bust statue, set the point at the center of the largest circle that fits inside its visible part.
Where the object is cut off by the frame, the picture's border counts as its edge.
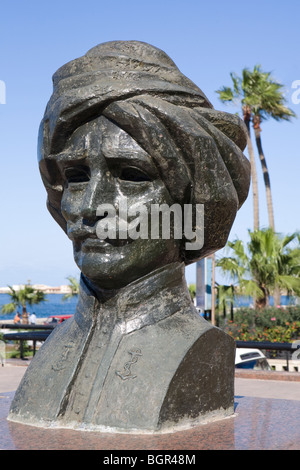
(125, 125)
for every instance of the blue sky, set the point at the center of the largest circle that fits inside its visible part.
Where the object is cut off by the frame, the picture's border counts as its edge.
(207, 41)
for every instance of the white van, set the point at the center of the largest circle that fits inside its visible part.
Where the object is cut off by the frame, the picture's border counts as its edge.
(251, 359)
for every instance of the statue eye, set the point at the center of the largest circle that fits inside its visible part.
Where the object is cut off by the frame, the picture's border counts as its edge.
(134, 174)
(77, 174)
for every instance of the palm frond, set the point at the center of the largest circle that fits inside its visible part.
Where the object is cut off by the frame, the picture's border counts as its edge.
(8, 308)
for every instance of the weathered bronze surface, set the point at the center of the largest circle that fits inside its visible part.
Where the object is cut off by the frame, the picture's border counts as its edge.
(123, 123)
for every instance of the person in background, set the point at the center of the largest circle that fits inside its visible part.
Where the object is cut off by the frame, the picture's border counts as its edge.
(32, 319)
(17, 318)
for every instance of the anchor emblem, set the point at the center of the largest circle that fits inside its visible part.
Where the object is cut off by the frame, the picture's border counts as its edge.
(127, 373)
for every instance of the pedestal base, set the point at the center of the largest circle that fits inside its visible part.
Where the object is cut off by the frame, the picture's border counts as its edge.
(258, 423)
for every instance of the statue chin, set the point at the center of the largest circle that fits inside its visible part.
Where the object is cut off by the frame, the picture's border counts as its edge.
(122, 266)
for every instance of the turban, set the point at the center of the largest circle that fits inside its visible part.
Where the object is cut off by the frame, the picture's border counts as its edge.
(198, 151)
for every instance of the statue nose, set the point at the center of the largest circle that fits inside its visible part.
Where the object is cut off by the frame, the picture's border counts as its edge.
(99, 189)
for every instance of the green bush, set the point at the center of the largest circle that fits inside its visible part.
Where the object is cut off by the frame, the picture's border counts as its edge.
(273, 324)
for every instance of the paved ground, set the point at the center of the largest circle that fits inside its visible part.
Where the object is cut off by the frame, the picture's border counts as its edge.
(10, 377)
(286, 388)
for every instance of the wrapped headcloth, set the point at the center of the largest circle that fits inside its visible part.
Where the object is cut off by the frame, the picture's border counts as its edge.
(198, 150)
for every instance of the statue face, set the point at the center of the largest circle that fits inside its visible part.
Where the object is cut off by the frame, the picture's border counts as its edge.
(104, 165)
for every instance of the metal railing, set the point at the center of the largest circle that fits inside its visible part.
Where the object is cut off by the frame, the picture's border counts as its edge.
(24, 326)
(34, 333)
(268, 345)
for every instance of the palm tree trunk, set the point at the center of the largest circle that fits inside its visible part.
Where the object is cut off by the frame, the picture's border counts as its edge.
(277, 296)
(257, 131)
(247, 118)
(261, 303)
(24, 315)
(231, 302)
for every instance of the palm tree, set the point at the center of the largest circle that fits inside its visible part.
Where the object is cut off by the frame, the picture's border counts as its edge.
(268, 262)
(21, 298)
(262, 98)
(238, 95)
(192, 291)
(74, 288)
(267, 101)
(225, 294)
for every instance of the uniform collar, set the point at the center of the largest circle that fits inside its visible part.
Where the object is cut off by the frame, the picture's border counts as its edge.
(146, 301)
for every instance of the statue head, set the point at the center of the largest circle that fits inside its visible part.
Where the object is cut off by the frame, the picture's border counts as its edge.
(125, 127)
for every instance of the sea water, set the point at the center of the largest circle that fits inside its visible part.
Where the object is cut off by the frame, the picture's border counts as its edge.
(54, 305)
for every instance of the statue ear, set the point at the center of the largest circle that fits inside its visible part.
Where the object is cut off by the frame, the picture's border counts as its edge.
(43, 140)
(57, 215)
(51, 175)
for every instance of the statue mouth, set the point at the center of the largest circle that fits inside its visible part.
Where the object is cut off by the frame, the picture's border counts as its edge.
(85, 238)
(97, 244)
